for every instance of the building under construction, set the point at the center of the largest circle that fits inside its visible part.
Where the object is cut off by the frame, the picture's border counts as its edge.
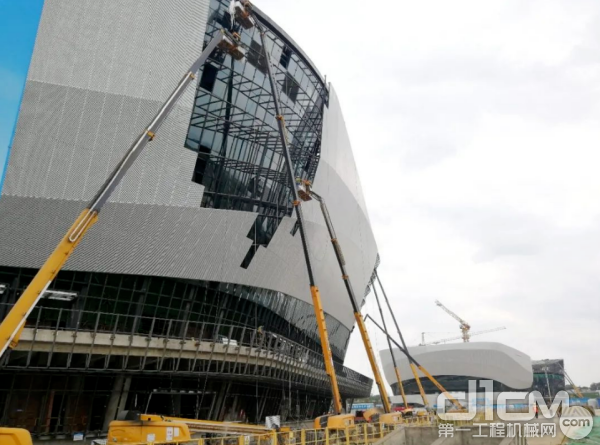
(191, 297)
(548, 377)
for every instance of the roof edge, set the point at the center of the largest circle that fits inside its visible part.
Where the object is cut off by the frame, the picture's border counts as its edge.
(288, 40)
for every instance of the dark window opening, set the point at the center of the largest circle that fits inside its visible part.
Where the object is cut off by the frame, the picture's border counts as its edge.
(209, 76)
(286, 55)
(200, 167)
(234, 116)
(290, 87)
(257, 57)
(249, 256)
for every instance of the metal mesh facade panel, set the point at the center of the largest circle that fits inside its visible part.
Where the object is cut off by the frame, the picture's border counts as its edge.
(100, 69)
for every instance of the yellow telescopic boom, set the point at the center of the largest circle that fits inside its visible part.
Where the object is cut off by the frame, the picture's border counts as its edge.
(13, 323)
(314, 290)
(357, 316)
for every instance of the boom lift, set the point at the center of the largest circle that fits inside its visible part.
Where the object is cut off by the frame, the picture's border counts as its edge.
(413, 361)
(396, 370)
(306, 194)
(339, 420)
(133, 427)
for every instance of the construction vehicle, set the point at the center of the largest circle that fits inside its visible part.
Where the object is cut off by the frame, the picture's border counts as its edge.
(412, 363)
(127, 429)
(14, 436)
(133, 427)
(296, 201)
(305, 191)
(444, 340)
(406, 411)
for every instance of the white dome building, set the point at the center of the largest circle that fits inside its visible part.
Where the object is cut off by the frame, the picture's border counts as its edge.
(453, 365)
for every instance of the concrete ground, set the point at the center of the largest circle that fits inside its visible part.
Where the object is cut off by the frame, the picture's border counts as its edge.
(546, 440)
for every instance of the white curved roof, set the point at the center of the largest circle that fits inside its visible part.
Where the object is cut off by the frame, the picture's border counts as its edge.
(482, 360)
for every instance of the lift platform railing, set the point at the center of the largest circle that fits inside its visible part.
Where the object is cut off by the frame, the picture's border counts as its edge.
(359, 434)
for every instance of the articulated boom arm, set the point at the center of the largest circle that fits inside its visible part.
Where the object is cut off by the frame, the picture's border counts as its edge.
(13, 323)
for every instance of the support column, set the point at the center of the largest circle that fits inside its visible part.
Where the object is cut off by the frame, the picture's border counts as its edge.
(263, 403)
(215, 409)
(222, 408)
(118, 399)
(78, 305)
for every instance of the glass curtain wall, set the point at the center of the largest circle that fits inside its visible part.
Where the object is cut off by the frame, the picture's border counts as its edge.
(234, 130)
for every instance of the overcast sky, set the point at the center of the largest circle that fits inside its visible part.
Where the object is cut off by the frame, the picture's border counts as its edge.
(475, 127)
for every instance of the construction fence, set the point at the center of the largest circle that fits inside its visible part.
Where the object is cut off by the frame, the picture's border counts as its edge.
(359, 434)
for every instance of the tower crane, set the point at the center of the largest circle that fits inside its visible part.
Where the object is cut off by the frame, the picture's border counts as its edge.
(464, 326)
(444, 340)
